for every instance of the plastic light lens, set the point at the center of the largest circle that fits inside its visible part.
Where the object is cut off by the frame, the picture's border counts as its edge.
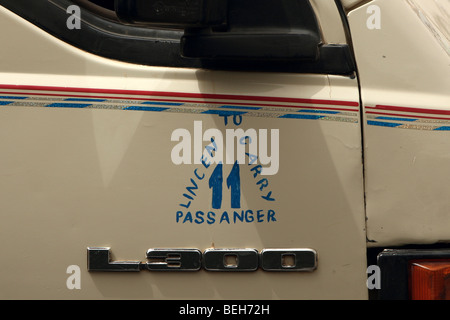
(430, 280)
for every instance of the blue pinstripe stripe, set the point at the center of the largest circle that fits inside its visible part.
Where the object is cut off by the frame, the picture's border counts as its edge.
(224, 112)
(445, 128)
(301, 116)
(139, 108)
(10, 97)
(160, 106)
(384, 124)
(396, 119)
(68, 105)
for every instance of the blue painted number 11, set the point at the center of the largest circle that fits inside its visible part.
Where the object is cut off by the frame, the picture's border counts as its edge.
(233, 183)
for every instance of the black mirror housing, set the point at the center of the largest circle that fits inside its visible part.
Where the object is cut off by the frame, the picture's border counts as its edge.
(265, 30)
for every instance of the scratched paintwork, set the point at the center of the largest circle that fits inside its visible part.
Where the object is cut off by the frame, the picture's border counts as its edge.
(435, 15)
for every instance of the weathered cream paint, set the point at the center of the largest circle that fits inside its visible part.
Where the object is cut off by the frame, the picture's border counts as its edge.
(348, 4)
(77, 178)
(435, 15)
(403, 64)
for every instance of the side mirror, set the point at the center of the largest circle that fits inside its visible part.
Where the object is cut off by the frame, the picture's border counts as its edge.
(264, 30)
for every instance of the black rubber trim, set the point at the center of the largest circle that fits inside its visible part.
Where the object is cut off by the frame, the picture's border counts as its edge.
(394, 266)
(104, 37)
(334, 59)
(156, 47)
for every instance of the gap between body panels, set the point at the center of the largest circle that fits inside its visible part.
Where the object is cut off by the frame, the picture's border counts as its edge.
(348, 33)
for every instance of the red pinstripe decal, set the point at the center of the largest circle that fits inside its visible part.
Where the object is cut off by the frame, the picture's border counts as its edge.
(406, 115)
(180, 95)
(173, 100)
(412, 110)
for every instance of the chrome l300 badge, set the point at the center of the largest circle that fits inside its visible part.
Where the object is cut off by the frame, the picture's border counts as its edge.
(99, 259)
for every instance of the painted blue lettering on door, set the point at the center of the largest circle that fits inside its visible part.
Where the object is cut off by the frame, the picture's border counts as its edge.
(215, 183)
(234, 184)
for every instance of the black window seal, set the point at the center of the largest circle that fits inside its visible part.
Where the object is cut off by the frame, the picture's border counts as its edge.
(157, 47)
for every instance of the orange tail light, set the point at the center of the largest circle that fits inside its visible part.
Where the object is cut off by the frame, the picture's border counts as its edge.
(430, 280)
